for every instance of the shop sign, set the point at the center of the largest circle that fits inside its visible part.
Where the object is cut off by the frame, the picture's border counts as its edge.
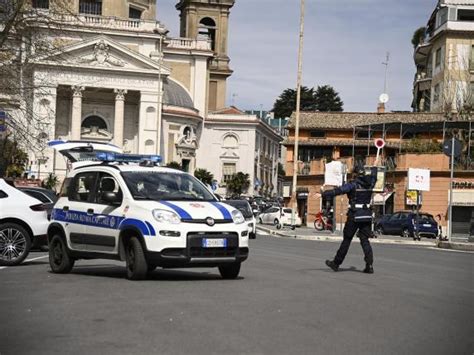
(419, 179)
(412, 196)
(467, 185)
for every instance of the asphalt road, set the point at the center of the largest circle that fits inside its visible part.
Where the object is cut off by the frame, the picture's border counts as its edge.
(419, 301)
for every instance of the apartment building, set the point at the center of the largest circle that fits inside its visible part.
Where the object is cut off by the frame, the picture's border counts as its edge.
(444, 59)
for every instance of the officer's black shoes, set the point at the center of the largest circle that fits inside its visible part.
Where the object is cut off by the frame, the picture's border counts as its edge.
(332, 265)
(369, 269)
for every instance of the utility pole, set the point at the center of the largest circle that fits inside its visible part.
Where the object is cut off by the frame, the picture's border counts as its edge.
(297, 123)
(387, 60)
(162, 33)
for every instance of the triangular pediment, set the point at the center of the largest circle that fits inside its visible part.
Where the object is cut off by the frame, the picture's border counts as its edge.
(104, 53)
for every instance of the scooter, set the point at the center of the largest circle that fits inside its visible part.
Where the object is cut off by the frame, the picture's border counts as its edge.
(322, 221)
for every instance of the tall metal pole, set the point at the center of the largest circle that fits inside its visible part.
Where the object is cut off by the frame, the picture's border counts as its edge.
(160, 97)
(297, 123)
(450, 213)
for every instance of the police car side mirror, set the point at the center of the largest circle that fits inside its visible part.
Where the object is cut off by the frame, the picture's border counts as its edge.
(111, 198)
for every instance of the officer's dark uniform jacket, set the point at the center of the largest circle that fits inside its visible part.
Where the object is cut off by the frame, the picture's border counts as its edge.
(359, 192)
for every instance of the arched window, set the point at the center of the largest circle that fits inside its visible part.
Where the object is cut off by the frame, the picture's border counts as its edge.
(94, 121)
(187, 133)
(207, 28)
(230, 141)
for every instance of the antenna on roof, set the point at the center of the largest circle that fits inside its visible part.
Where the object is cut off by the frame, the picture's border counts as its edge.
(383, 98)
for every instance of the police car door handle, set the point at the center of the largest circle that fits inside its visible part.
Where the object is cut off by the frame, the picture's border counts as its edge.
(90, 211)
(65, 208)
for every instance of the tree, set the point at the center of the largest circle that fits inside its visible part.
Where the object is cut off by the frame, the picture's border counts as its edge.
(286, 102)
(238, 184)
(174, 165)
(418, 36)
(13, 159)
(50, 182)
(25, 39)
(327, 99)
(205, 176)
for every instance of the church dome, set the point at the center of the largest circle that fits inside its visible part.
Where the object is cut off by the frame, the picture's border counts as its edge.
(175, 95)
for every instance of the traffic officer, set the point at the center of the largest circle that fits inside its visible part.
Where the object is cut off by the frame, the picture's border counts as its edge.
(359, 215)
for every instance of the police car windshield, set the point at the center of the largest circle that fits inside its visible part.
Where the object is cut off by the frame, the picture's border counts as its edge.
(154, 185)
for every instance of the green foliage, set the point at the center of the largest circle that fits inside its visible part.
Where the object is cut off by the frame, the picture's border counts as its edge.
(286, 102)
(50, 182)
(238, 184)
(418, 35)
(417, 145)
(174, 165)
(281, 170)
(13, 159)
(205, 176)
(324, 98)
(327, 99)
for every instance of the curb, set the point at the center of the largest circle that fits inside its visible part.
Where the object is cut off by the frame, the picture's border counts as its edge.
(334, 239)
(456, 246)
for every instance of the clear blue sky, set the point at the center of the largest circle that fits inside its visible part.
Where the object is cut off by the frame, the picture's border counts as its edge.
(345, 44)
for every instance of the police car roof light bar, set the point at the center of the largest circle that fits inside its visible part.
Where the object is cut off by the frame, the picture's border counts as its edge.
(127, 158)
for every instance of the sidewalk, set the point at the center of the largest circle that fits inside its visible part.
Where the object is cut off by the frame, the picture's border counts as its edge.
(308, 233)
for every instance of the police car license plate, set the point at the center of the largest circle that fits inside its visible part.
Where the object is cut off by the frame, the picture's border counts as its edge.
(426, 225)
(214, 243)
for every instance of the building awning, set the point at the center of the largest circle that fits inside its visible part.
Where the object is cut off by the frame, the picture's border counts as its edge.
(463, 198)
(381, 198)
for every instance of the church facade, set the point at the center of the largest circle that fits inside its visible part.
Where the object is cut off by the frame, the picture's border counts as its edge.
(118, 77)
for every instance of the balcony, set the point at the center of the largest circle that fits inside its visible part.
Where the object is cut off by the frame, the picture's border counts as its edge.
(189, 44)
(49, 19)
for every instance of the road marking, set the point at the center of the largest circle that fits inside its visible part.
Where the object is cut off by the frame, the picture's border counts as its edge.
(40, 257)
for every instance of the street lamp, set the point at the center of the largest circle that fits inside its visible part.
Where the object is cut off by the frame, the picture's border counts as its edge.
(161, 31)
(297, 123)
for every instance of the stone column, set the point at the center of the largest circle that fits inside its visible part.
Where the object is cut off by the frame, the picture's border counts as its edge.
(76, 112)
(119, 116)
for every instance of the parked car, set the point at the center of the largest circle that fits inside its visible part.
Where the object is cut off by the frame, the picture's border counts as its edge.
(48, 197)
(405, 223)
(244, 207)
(278, 216)
(23, 222)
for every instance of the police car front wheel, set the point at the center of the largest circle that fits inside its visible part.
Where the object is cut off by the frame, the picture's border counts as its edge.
(59, 260)
(230, 271)
(137, 267)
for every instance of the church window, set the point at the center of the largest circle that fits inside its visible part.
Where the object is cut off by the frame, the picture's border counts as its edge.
(230, 141)
(187, 132)
(94, 121)
(207, 28)
(90, 7)
(228, 170)
(40, 4)
(134, 13)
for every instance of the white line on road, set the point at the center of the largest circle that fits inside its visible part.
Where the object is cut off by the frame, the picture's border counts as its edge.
(40, 257)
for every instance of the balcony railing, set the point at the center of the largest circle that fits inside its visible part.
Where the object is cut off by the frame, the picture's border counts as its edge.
(187, 43)
(95, 21)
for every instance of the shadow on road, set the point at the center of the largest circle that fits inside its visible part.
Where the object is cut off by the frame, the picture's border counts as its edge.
(341, 269)
(118, 272)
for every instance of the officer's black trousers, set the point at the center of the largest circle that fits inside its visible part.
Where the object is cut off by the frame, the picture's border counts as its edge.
(350, 230)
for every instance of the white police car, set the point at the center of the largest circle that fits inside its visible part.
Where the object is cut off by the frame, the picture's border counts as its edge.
(124, 207)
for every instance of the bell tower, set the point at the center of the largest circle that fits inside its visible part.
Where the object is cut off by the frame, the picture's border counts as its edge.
(210, 19)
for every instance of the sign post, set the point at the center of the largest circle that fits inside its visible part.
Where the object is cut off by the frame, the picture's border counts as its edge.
(419, 180)
(379, 144)
(452, 148)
